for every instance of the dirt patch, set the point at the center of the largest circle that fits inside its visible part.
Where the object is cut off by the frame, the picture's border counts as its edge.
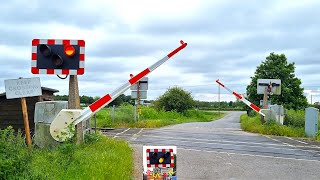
(137, 160)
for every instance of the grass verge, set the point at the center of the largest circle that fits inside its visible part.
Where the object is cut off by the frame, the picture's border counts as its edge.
(253, 124)
(151, 118)
(99, 158)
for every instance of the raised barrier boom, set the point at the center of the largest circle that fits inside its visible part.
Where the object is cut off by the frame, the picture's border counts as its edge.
(248, 103)
(59, 128)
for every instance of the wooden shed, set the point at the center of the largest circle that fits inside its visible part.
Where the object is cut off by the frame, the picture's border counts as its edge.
(11, 111)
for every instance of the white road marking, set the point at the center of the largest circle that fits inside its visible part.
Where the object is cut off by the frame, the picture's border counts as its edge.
(134, 137)
(296, 140)
(140, 131)
(252, 155)
(121, 133)
(215, 131)
(279, 141)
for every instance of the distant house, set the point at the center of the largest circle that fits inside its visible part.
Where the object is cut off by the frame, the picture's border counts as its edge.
(11, 111)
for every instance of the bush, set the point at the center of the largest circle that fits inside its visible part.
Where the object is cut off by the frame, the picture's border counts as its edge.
(295, 118)
(252, 113)
(175, 99)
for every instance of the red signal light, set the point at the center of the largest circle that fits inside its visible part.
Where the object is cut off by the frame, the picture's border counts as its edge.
(69, 50)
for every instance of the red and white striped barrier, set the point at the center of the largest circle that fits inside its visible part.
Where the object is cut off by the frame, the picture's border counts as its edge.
(105, 100)
(251, 105)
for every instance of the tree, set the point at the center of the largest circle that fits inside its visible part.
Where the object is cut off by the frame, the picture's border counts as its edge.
(175, 99)
(86, 99)
(60, 98)
(277, 67)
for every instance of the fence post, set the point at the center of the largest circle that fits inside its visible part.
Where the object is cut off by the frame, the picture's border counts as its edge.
(113, 113)
(95, 123)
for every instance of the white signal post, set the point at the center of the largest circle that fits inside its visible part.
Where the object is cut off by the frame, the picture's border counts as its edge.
(248, 103)
(71, 117)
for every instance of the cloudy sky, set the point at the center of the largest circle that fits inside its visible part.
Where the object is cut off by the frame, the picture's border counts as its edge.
(226, 39)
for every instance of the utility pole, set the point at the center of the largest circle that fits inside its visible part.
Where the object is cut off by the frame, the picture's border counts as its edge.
(219, 98)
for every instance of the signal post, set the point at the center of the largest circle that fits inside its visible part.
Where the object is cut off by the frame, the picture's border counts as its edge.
(61, 57)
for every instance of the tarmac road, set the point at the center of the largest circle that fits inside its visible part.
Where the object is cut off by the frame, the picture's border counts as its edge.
(221, 150)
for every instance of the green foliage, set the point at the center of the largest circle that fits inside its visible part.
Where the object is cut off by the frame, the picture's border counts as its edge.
(14, 155)
(60, 98)
(295, 118)
(252, 113)
(222, 106)
(318, 135)
(89, 100)
(175, 99)
(92, 138)
(253, 124)
(277, 67)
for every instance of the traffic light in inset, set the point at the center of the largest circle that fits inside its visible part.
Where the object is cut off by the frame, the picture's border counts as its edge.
(56, 56)
(160, 158)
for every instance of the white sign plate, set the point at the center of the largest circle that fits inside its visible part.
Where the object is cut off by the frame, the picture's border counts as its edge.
(143, 94)
(263, 83)
(143, 84)
(26, 87)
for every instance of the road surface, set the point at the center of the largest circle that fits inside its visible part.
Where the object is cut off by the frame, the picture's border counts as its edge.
(221, 150)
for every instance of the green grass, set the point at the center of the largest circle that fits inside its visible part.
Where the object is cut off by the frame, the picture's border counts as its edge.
(253, 124)
(105, 159)
(150, 118)
(100, 158)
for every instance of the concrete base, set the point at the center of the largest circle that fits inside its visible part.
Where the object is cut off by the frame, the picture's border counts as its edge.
(43, 138)
(270, 114)
(44, 114)
(267, 112)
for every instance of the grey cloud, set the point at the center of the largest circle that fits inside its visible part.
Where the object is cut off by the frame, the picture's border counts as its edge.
(215, 18)
(15, 37)
(130, 46)
(258, 30)
(67, 12)
(105, 66)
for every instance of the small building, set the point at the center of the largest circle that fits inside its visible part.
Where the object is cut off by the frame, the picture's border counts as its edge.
(11, 110)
